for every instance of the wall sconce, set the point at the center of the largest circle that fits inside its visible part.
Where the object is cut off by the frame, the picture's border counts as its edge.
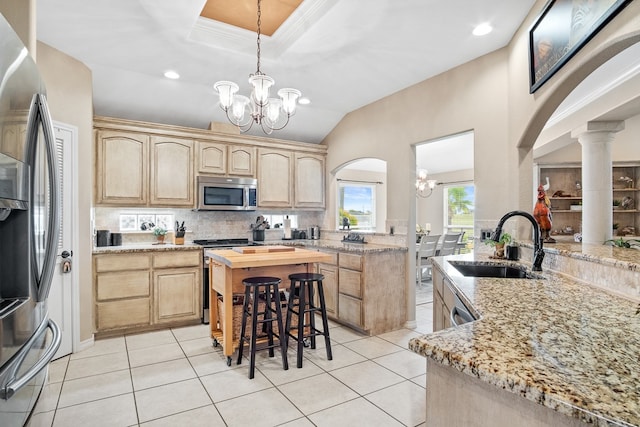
(422, 183)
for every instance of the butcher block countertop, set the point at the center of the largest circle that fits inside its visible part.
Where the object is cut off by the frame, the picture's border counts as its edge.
(556, 340)
(236, 259)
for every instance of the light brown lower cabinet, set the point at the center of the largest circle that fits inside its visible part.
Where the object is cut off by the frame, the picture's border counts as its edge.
(443, 300)
(141, 290)
(176, 295)
(330, 287)
(366, 290)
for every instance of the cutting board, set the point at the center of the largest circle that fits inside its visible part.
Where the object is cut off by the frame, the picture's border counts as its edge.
(263, 249)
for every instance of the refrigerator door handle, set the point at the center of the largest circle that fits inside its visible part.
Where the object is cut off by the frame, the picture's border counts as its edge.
(16, 384)
(40, 115)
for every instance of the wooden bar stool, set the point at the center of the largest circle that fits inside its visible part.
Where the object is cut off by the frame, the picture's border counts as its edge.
(262, 291)
(301, 302)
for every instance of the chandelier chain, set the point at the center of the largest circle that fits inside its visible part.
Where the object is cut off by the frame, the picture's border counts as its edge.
(258, 41)
(270, 113)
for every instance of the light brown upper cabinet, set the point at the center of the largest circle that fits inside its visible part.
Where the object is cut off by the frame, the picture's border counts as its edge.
(171, 172)
(275, 178)
(134, 169)
(227, 160)
(122, 160)
(309, 180)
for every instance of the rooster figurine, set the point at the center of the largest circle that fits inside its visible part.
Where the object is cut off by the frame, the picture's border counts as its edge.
(542, 214)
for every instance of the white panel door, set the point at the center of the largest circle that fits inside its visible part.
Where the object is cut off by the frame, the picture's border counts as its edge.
(61, 296)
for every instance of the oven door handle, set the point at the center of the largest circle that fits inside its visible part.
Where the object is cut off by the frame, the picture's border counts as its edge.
(14, 385)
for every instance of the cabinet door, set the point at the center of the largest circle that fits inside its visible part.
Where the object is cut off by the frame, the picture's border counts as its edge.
(242, 160)
(350, 310)
(176, 294)
(330, 288)
(274, 178)
(438, 300)
(309, 180)
(122, 168)
(212, 158)
(172, 172)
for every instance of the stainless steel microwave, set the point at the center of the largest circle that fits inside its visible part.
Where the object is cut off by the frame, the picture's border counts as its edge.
(227, 194)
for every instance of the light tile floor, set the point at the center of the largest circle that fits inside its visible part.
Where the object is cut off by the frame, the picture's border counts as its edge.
(177, 378)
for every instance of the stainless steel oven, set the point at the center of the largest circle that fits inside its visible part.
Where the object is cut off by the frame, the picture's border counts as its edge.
(214, 244)
(227, 194)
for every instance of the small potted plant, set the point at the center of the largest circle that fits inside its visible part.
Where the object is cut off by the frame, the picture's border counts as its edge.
(623, 243)
(505, 238)
(616, 204)
(160, 232)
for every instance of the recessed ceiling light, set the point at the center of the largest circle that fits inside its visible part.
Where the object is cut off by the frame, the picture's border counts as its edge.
(304, 101)
(482, 29)
(171, 75)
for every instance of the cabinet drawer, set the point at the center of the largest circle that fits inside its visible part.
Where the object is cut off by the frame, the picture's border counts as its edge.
(333, 260)
(350, 282)
(350, 310)
(122, 262)
(127, 284)
(121, 314)
(351, 261)
(177, 259)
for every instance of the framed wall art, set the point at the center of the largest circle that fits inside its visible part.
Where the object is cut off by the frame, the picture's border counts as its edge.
(563, 27)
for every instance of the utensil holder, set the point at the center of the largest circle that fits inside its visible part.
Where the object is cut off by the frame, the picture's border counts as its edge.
(258, 235)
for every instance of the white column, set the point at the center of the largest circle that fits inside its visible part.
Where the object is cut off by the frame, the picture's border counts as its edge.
(597, 185)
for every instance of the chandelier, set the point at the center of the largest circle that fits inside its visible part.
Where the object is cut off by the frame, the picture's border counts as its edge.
(422, 183)
(270, 113)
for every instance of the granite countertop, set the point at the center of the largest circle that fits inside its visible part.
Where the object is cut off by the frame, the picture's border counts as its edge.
(564, 344)
(145, 247)
(601, 254)
(338, 245)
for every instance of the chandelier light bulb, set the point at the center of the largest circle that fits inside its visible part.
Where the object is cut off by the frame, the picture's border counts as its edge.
(226, 90)
(289, 99)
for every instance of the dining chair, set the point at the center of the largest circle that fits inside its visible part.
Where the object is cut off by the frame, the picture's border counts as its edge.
(449, 244)
(426, 249)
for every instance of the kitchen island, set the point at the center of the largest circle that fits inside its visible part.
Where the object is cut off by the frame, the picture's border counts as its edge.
(229, 267)
(365, 283)
(548, 351)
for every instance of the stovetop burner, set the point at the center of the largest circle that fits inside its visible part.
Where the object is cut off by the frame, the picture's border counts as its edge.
(214, 243)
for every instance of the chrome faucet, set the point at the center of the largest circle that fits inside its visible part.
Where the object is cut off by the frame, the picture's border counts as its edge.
(538, 253)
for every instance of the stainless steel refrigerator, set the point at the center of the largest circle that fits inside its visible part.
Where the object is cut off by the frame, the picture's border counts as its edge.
(29, 231)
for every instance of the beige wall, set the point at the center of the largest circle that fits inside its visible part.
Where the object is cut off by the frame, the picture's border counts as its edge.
(69, 92)
(470, 97)
(490, 96)
(22, 17)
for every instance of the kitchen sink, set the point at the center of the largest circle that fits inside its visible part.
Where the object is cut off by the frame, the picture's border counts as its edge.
(482, 269)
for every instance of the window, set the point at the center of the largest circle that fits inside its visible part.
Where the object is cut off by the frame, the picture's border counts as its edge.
(459, 207)
(356, 206)
(278, 220)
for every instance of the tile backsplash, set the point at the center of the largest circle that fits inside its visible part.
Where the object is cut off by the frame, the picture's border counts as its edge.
(199, 224)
